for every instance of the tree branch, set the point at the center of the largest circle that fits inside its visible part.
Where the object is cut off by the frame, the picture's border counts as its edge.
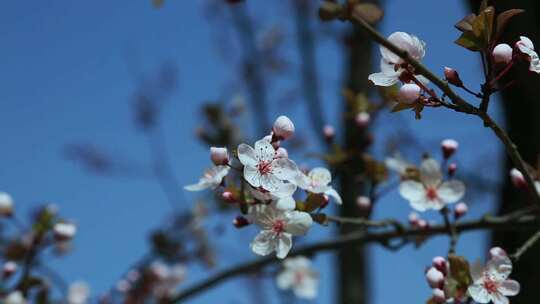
(510, 222)
(460, 104)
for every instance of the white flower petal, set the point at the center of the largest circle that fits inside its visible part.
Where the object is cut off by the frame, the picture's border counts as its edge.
(298, 222)
(509, 288)
(264, 243)
(498, 298)
(252, 176)
(264, 150)
(320, 176)
(284, 245)
(477, 272)
(430, 172)
(412, 190)
(270, 182)
(499, 267)
(307, 289)
(298, 262)
(285, 279)
(382, 79)
(479, 293)
(286, 203)
(333, 193)
(246, 155)
(451, 191)
(420, 205)
(284, 169)
(201, 185)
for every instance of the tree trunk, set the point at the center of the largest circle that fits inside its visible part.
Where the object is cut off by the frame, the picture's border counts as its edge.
(522, 117)
(352, 284)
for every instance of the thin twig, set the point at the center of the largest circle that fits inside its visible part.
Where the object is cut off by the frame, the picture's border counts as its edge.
(526, 246)
(452, 233)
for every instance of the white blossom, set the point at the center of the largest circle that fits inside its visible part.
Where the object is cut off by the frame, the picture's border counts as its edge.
(431, 192)
(262, 168)
(491, 284)
(298, 275)
(15, 297)
(283, 127)
(211, 178)
(391, 63)
(317, 181)
(526, 46)
(219, 156)
(78, 293)
(409, 93)
(64, 231)
(277, 229)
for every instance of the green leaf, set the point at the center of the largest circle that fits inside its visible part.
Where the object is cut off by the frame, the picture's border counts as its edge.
(313, 202)
(320, 218)
(465, 24)
(369, 12)
(470, 42)
(460, 270)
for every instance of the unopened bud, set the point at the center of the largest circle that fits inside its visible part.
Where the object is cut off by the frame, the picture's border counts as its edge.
(438, 296)
(283, 127)
(123, 286)
(452, 168)
(363, 202)
(452, 77)
(219, 156)
(518, 180)
(64, 231)
(460, 210)
(497, 252)
(413, 219)
(6, 204)
(435, 278)
(422, 224)
(282, 153)
(325, 202)
(240, 222)
(329, 133)
(362, 119)
(409, 93)
(449, 147)
(502, 53)
(440, 264)
(9, 269)
(228, 197)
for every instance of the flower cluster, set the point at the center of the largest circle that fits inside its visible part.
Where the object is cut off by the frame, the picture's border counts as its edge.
(268, 183)
(299, 276)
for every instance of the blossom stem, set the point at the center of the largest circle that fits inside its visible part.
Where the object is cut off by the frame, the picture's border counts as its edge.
(458, 103)
(452, 233)
(501, 74)
(526, 246)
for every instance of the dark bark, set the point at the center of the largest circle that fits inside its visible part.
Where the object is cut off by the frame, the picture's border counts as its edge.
(522, 117)
(352, 262)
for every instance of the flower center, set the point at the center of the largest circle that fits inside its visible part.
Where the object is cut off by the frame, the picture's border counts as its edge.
(278, 226)
(431, 193)
(298, 277)
(490, 285)
(264, 167)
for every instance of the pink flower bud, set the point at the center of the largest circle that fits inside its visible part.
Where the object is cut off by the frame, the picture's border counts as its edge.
(452, 77)
(422, 224)
(9, 268)
(452, 168)
(413, 219)
(409, 93)
(325, 202)
(440, 264)
(502, 53)
(438, 296)
(362, 119)
(228, 197)
(240, 222)
(435, 278)
(282, 153)
(449, 147)
(329, 133)
(518, 179)
(64, 231)
(497, 252)
(6, 204)
(460, 210)
(283, 127)
(219, 156)
(363, 202)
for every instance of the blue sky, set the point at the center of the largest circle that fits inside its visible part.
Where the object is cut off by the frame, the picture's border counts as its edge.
(69, 70)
